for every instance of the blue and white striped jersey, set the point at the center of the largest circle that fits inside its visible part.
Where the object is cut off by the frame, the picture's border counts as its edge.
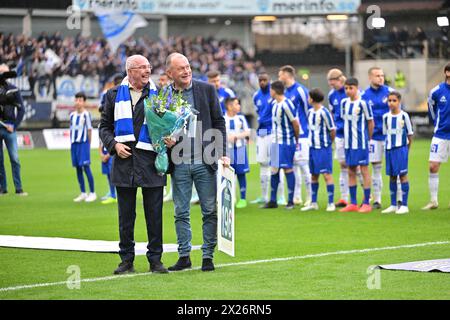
(356, 114)
(224, 93)
(283, 114)
(298, 94)
(439, 110)
(80, 123)
(320, 124)
(397, 128)
(235, 125)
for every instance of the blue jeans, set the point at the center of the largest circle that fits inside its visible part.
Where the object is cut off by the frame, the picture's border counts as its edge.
(205, 182)
(10, 139)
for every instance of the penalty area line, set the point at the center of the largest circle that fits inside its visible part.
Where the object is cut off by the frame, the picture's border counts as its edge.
(242, 263)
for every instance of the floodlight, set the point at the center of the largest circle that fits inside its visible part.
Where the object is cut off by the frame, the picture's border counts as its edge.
(442, 21)
(378, 23)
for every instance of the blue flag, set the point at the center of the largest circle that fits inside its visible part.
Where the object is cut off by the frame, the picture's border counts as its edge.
(118, 26)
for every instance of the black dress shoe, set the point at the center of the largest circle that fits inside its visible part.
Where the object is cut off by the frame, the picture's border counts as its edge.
(207, 265)
(124, 267)
(182, 263)
(270, 205)
(158, 267)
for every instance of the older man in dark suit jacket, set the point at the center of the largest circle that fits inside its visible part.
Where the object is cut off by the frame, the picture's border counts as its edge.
(195, 159)
(125, 135)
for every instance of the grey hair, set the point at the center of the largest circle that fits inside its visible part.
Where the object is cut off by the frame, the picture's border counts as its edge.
(170, 58)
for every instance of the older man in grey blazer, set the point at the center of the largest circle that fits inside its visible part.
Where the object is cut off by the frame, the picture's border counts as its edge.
(195, 157)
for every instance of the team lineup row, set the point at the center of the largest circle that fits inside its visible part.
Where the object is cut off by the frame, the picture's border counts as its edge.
(295, 133)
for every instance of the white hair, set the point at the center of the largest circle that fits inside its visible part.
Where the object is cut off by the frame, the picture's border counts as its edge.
(129, 63)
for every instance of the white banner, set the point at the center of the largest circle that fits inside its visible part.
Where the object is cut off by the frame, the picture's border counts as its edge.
(442, 265)
(59, 139)
(225, 8)
(226, 199)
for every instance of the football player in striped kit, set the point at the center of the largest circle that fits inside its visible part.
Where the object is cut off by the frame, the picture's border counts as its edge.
(237, 133)
(298, 94)
(80, 138)
(376, 95)
(322, 132)
(285, 129)
(398, 130)
(358, 130)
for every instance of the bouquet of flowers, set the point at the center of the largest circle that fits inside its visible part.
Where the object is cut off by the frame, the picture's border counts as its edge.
(166, 114)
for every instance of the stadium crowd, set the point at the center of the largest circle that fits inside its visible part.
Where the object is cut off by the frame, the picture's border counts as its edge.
(403, 42)
(92, 56)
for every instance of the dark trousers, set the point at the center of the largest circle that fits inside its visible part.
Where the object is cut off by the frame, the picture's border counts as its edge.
(153, 202)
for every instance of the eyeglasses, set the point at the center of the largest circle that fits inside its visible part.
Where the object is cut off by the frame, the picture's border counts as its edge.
(146, 67)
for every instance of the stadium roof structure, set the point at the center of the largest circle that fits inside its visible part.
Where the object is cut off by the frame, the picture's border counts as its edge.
(30, 4)
(400, 6)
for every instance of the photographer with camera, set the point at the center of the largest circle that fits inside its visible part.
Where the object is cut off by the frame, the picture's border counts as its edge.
(11, 114)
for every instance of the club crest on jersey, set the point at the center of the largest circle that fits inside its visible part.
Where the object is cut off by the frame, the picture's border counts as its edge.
(443, 99)
(385, 99)
(357, 110)
(318, 121)
(402, 123)
(335, 102)
(259, 103)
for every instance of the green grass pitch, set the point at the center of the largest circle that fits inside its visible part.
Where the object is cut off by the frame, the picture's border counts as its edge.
(261, 235)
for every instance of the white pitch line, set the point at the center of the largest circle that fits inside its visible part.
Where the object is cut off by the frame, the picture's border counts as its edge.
(308, 256)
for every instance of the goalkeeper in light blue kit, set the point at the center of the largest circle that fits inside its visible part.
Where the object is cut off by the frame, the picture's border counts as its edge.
(398, 130)
(322, 132)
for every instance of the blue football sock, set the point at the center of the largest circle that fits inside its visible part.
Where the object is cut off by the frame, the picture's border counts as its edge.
(290, 179)
(393, 190)
(87, 170)
(314, 191)
(81, 179)
(366, 196)
(330, 190)
(242, 185)
(405, 191)
(353, 199)
(274, 181)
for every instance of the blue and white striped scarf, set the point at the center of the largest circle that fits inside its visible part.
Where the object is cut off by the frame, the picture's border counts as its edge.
(123, 117)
